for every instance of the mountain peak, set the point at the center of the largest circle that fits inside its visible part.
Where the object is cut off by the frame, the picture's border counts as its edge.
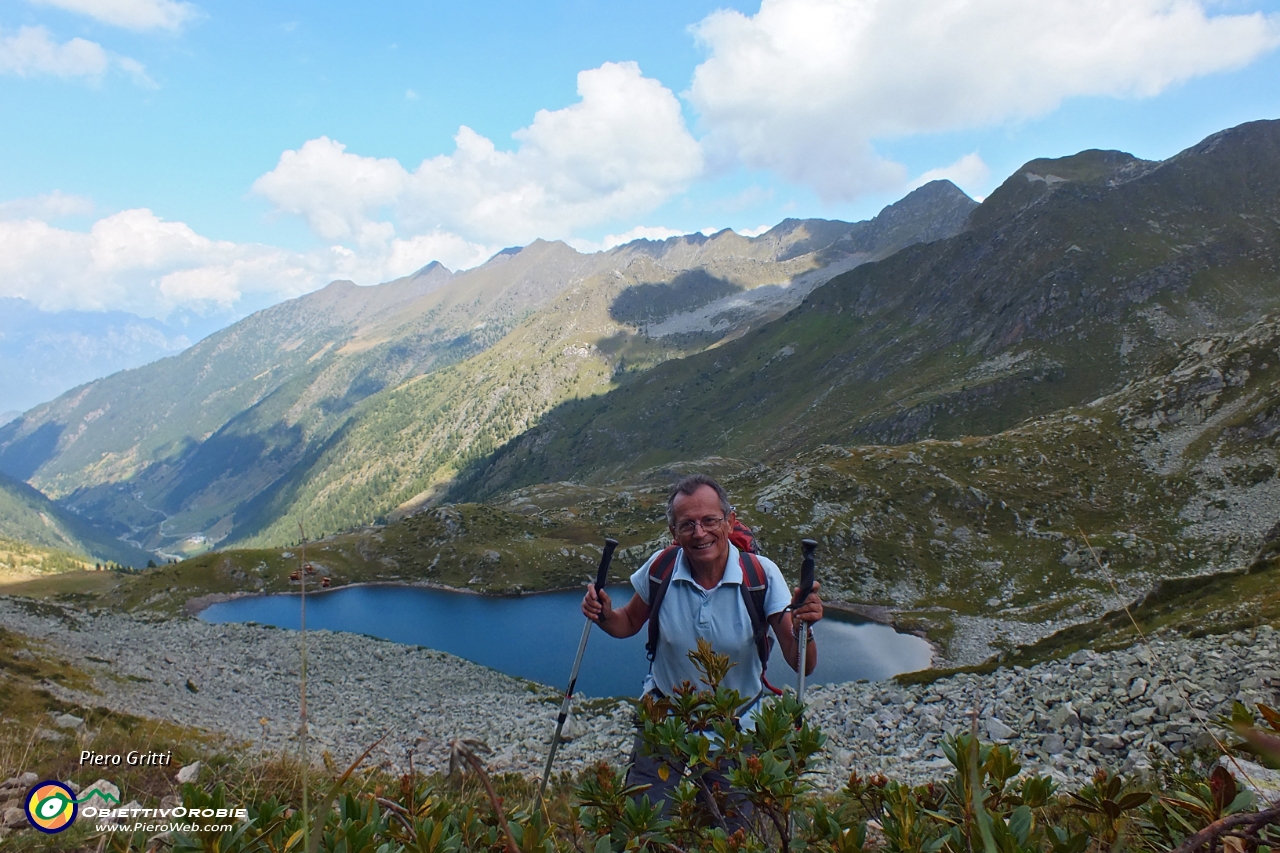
(1036, 178)
(433, 268)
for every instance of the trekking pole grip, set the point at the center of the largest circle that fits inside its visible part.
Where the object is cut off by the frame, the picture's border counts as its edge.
(603, 574)
(806, 571)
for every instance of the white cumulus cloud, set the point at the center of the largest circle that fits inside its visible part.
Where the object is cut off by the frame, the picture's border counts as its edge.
(621, 150)
(131, 14)
(52, 205)
(805, 87)
(339, 194)
(33, 51)
(135, 261)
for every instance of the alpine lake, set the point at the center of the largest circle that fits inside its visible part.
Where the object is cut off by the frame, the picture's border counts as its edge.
(536, 636)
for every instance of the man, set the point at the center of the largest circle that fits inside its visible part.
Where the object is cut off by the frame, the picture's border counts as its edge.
(704, 600)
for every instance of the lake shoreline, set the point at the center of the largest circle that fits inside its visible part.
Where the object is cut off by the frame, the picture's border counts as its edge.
(495, 631)
(870, 613)
(1061, 717)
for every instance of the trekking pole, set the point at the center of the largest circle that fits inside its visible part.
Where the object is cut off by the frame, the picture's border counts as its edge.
(806, 587)
(605, 558)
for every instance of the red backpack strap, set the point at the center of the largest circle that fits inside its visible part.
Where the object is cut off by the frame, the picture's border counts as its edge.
(755, 587)
(660, 572)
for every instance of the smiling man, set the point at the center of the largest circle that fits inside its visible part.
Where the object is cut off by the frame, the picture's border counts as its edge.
(702, 586)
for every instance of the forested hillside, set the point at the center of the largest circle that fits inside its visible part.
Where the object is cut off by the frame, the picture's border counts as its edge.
(26, 516)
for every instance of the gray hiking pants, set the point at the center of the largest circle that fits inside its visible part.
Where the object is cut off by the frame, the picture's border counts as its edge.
(644, 771)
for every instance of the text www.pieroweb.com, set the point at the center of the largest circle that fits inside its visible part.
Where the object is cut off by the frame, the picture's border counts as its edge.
(176, 819)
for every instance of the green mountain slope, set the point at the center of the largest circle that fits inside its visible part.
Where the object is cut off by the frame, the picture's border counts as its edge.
(29, 517)
(1072, 276)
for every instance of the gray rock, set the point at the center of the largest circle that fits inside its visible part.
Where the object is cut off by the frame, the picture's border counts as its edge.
(68, 721)
(1054, 744)
(1142, 717)
(1064, 717)
(188, 773)
(997, 730)
(126, 817)
(22, 780)
(1109, 741)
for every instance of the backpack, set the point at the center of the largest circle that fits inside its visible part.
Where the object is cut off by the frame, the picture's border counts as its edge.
(755, 586)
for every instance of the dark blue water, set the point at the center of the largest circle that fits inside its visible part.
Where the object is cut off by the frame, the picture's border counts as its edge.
(536, 636)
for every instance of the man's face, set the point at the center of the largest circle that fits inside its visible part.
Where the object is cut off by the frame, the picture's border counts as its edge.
(702, 529)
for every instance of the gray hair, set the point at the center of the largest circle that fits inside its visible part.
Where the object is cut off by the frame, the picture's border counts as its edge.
(690, 484)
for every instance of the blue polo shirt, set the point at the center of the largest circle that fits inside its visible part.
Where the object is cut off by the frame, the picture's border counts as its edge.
(719, 615)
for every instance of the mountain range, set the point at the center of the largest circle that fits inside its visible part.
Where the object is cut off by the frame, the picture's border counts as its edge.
(1022, 543)
(236, 436)
(1066, 282)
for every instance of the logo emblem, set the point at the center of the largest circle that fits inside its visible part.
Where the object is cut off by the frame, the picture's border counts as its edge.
(51, 807)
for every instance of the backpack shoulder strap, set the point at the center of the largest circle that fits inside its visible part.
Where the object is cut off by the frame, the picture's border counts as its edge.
(755, 586)
(660, 572)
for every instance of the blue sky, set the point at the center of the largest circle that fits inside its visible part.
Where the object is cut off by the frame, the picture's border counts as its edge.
(165, 157)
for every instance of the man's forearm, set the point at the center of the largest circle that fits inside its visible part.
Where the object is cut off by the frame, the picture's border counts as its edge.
(790, 643)
(619, 623)
(810, 655)
(609, 623)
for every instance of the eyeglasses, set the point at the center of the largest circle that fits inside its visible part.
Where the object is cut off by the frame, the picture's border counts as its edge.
(684, 528)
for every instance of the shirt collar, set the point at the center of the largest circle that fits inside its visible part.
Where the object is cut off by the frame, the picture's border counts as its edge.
(732, 570)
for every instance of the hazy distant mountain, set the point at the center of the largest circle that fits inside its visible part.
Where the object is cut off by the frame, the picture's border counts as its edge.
(43, 353)
(273, 416)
